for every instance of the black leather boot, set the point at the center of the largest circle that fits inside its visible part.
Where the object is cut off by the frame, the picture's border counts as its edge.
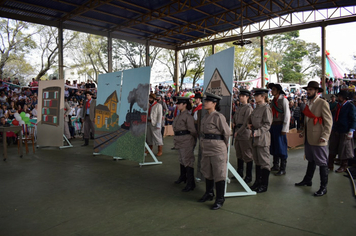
(209, 191)
(275, 166)
(282, 168)
(190, 180)
(307, 180)
(240, 167)
(323, 181)
(220, 192)
(183, 175)
(264, 181)
(257, 183)
(86, 142)
(248, 177)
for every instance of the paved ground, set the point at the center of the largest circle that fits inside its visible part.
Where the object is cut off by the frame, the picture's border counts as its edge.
(72, 192)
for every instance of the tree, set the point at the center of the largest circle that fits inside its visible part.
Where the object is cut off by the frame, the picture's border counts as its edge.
(14, 41)
(48, 46)
(18, 66)
(89, 55)
(199, 65)
(132, 55)
(291, 59)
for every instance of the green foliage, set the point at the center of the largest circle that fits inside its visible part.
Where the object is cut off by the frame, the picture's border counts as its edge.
(14, 42)
(292, 59)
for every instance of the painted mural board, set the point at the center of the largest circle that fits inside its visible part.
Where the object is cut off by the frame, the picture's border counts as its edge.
(50, 121)
(107, 129)
(218, 79)
(133, 113)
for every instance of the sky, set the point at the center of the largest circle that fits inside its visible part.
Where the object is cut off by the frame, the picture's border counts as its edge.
(340, 42)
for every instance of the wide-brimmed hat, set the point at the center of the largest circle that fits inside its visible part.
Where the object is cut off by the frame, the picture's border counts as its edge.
(314, 85)
(152, 95)
(343, 94)
(277, 86)
(198, 95)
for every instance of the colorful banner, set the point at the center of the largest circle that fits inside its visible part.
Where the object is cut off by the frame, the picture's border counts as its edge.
(107, 129)
(50, 120)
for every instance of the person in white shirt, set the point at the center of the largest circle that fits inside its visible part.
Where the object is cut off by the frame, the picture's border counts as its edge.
(34, 112)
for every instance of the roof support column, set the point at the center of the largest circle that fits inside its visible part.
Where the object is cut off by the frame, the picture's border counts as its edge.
(147, 53)
(176, 69)
(60, 51)
(323, 56)
(262, 61)
(212, 49)
(109, 52)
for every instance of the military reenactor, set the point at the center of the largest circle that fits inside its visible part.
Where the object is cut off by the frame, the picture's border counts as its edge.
(341, 141)
(154, 124)
(317, 129)
(215, 133)
(197, 110)
(279, 129)
(259, 123)
(184, 140)
(242, 136)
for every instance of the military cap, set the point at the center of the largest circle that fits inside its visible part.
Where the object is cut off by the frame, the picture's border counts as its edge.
(245, 92)
(212, 97)
(258, 91)
(182, 100)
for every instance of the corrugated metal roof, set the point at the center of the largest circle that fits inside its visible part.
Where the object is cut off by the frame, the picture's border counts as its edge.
(164, 22)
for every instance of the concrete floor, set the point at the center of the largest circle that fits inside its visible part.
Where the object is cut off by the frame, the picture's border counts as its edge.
(72, 192)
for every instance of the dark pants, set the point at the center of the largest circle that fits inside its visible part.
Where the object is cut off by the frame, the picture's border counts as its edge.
(88, 126)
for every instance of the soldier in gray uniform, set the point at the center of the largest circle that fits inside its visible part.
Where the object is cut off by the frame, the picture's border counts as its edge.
(260, 122)
(184, 140)
(215, 134)
(242, 136)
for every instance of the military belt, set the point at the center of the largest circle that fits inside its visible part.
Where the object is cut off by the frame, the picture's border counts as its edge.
(214, 136)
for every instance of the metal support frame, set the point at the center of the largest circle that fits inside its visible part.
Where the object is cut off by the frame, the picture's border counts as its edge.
(155, 162)
(60, 51)
(109, 52)
(66, 141)
(147, 53)
(114, 158)
(213, 49)
(230, 168)
(176, 69)
(323, 56)
(262, 62)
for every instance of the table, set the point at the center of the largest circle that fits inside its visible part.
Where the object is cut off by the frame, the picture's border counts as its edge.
(15, 129)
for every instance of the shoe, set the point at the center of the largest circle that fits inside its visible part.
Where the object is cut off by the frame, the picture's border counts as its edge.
(320, 192)
(86, 142)
(343, 166)
(183, 175)
(190, 180)
(159, 151)
(220, 192)
(151, 146)
(323, 170)
(173, 148)
(209, 191)
(307, 180)
(264, 181)
(275, 166)
(282, 168)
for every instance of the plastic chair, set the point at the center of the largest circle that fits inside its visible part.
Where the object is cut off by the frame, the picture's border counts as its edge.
(28, 134)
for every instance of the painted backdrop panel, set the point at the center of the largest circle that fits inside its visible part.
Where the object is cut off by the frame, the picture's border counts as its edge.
(50, 119)
(107, 129)
(133, 113)
(218, 78)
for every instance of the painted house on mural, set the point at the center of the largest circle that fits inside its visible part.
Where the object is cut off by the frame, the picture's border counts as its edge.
(107, 111)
